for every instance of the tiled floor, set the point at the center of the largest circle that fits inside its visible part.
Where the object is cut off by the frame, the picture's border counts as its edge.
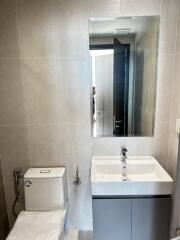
(75, 235)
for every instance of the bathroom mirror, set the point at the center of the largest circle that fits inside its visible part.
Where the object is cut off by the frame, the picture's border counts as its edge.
(123, 68)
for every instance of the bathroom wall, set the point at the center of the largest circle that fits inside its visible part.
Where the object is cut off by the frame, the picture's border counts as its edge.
(4, 227)
(175, 106)
(173, 145)
(45, 94)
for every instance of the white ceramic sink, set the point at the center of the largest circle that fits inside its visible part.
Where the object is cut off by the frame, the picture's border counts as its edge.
(145, 177)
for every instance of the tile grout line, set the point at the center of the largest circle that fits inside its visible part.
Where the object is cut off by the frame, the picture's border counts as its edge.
(23, 84)
(58, 96)
(43, 58)
(23, 125)
(63, 58)
(59, 119)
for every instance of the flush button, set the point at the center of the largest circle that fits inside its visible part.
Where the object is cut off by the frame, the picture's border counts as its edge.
(45, 171)
(28, 183)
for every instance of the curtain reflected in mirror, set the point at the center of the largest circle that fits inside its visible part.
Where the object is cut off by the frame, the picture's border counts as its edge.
(123, 63)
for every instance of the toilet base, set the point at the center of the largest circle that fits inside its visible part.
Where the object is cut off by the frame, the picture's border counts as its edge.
(39, 225)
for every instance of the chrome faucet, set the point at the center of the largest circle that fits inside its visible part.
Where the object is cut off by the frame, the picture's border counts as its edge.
(124, 162)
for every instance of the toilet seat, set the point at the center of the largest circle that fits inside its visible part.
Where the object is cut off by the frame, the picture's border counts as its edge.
(37, 225)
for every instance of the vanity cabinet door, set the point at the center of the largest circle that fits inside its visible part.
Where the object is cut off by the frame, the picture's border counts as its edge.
(151, 219)
(112, 219)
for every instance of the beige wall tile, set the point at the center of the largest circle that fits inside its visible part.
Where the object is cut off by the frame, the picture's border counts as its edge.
(9, 45)
(168, 27)
(161, 142)
(164, 87)
(140, 7)
(178, 32)
(12, 101)
(68, 15)
(168, 9)
(37, 44)
(14, 153)
(74, 90)
(167, 38)
(110, 146)
(173, 145)
(176, 95)
(37, 38)
(71, 25)
(104, 8)
(40, 83)
(173, 151)
(45, 146)
(73, 46)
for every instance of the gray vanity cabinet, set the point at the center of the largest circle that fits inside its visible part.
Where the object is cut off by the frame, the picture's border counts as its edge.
(111, 219)
(131, 218)
(151, 219)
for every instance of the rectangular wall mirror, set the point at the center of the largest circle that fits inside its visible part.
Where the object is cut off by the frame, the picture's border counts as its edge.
(123, 72)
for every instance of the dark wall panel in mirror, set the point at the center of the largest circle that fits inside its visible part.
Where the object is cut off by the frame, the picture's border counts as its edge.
(123, 71)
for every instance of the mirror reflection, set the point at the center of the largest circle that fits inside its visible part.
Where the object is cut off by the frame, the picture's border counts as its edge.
(123, 66)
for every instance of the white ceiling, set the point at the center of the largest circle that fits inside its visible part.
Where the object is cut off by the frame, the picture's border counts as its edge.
(109, 26)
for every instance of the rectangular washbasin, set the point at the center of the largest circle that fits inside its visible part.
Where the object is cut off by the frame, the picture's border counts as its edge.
(145, 177)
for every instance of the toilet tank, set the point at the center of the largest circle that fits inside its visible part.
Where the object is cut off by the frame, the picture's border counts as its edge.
(45, 189)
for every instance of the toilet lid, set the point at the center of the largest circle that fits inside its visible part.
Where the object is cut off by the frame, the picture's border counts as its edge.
(36, 225)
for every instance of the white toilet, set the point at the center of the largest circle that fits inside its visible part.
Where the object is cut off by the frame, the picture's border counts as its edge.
(45, 206)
